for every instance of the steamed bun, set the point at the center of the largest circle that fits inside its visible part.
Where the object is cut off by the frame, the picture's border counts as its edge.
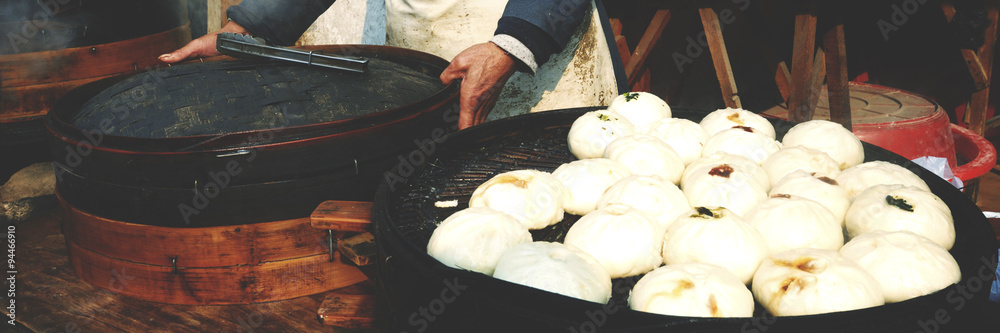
(475, 238)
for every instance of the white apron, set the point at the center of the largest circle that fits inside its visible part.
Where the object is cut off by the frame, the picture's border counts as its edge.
(580, 75)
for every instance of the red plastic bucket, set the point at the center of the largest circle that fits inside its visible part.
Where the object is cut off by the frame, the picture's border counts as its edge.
(979, 152)
(913, 126)
(929, 135)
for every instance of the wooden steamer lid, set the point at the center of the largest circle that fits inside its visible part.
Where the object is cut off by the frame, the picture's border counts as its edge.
(326, 136)
(242, 142)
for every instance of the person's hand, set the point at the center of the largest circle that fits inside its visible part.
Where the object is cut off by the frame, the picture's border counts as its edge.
(203, 46)
(484, 69)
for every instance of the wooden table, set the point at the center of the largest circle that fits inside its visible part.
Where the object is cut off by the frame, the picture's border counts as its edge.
(50, 298)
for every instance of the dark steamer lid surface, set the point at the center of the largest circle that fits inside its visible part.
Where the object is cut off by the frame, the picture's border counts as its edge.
(235, 96)
(229, 142)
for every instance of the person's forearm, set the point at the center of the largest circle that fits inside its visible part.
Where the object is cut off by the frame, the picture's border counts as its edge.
(279, 21)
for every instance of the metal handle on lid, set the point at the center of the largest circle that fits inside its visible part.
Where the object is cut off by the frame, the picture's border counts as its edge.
(247, 46)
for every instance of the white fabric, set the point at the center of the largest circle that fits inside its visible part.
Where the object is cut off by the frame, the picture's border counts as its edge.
(580, 75)
(441, 27)
(516, 49)
(348, 22)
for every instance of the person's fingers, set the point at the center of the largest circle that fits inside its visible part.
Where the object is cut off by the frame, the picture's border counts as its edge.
(482, 113)
(483, 69)
(457, 70)
(464, 120)
(203, 46)
(180, 54)
(470, 106)
(484, 107)
(482, 98)
(474, 107)
(467, 108)
(453, 72)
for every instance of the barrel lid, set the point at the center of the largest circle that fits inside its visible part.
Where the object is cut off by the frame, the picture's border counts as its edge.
(873, 104)
(213, 98)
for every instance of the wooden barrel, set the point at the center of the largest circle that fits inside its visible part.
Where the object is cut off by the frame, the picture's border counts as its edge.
(64, 46)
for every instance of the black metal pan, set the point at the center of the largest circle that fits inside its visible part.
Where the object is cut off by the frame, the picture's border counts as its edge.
(419, 292)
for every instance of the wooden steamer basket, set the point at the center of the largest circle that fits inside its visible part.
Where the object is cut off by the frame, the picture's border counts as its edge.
(422, 293)
(244, 233)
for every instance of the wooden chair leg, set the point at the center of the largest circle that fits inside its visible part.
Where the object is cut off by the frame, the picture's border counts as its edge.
(980, 99)
(836, 75)
(979, 76)
(720, 57)
(819, 71)
(803, 52)
(620, 43)
(616, 29)
(782, 78)
(636, 65)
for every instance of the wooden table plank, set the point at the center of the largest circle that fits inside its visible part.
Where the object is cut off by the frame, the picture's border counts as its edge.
(349, 311)
(344, 216)
(360, 249)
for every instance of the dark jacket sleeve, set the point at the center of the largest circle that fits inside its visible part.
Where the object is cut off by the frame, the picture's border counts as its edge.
(543, 26)
(280, 22)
